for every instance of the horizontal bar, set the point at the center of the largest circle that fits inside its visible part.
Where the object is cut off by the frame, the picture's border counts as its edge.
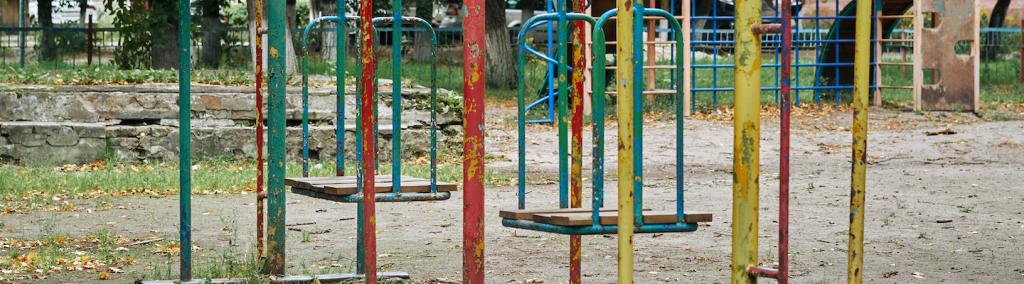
(294, 279)
(896, 63)
(379, 197)
(770, 89)
(724, 66)
(895, 40)
(649, 92)
(896, 87)
(654, 67)
(653, 18)
(597, 229)
(765, 272)
(657, 42)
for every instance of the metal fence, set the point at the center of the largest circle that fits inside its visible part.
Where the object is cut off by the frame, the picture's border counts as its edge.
(712, 39)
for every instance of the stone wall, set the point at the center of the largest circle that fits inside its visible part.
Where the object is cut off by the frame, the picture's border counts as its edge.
(80, 124)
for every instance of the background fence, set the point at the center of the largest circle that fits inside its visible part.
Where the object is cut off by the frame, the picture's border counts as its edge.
(712, 38)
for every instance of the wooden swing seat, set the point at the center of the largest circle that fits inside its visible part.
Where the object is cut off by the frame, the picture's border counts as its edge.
(573, 217)
(346, 185)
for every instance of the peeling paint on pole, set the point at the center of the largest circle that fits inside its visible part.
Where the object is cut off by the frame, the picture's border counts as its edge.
(746, 141)
(261, 195)
(578, 59)
(624, 83)
(368, 222)
(276, 147)
(474, 49)
(861, 82)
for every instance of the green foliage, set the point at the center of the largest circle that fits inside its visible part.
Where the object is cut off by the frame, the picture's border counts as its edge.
(62, 74)
(138, 22)
(71, 42)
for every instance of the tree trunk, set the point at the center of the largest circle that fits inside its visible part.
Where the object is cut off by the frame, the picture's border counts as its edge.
(289, 53)
(83, 6)
(213, 32)
(48, 48)
(164, 51)
(501, 58)
(421, 41)
(997, 19)
(327, 38)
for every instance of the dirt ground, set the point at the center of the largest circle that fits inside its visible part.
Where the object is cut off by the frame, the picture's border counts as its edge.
(942, 206)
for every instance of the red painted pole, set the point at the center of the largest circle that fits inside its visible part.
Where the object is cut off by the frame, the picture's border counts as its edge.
(260, 174)
(576, 178)
(474, 50)
(787, 49)
(369, 88)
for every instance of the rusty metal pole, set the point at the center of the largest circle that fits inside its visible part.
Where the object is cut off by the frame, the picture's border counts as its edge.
(576, 173)
(261, 195)
(861, 81)
(786, 105)
(368, 222)
(474, 50)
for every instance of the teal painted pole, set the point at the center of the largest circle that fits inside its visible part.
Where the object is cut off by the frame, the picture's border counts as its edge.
(276, 149)
(184, 137)
(360, 241)
(341, 49)
(396, 95)
(22, 7)
(563, 105)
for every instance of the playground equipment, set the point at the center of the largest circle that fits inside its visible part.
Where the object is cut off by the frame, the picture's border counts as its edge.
(261, 195)
(394, 188)
(366, 251)
(549, 82)
(862, 80)
(747, 130)
(630, 217)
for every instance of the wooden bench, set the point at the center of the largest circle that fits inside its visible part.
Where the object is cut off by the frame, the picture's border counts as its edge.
(346, 185)
(572, 217)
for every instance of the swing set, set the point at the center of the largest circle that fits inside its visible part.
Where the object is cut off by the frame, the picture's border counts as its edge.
(628, 218)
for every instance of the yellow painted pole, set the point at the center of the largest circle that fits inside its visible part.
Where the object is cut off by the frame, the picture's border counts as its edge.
(624, 108)
(861, 82)
(746, 141)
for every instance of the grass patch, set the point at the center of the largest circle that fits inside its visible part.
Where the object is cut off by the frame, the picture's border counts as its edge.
(999, 81)
(99, 254)
(29, 188)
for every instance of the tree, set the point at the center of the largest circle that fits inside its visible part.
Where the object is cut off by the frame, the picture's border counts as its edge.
(995, 21)
(163, 52)
(501, 58)
(421, 40)
(213, 31)
(48, 47)
(290, 48)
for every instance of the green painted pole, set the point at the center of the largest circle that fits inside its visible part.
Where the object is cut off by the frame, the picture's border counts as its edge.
(22, 6)
(184, 138)
(563, 105)
(276, 148)
(396, 95)
(341, 38)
